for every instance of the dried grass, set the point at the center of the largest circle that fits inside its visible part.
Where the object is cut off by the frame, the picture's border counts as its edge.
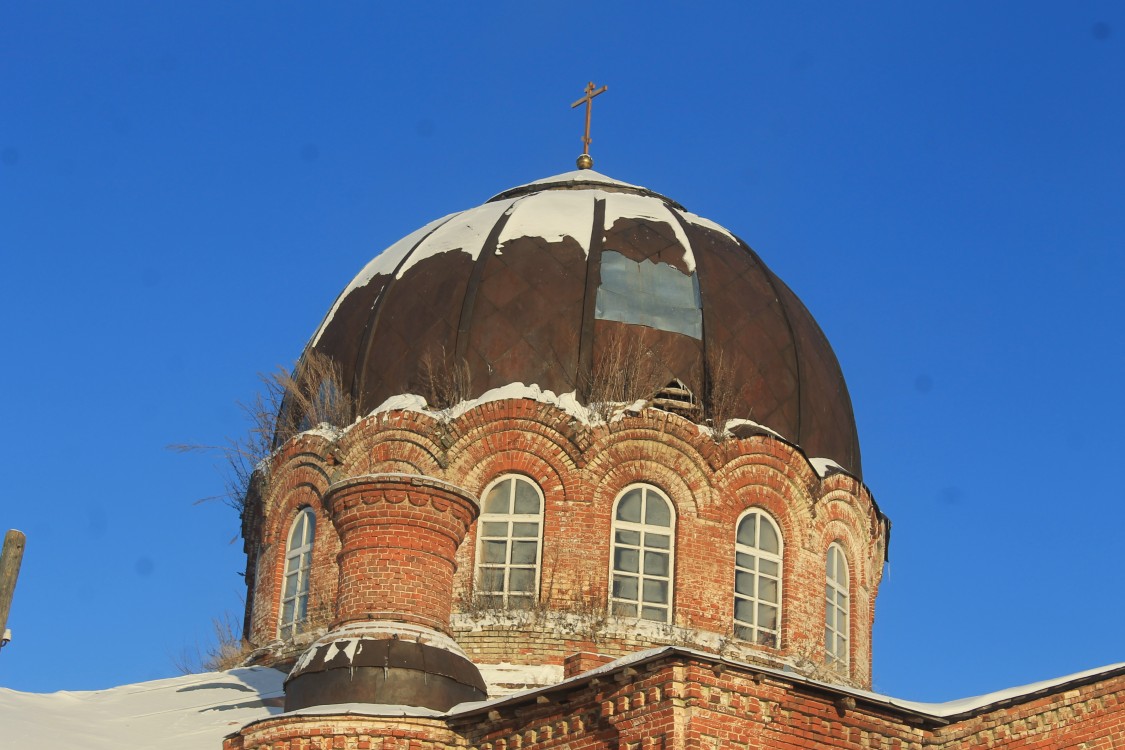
(444, 380)
(226, 652)
(286, 404)
(626, 368)
(721, 394)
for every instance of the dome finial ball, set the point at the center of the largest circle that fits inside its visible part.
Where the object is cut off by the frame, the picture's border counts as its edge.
(585, 161)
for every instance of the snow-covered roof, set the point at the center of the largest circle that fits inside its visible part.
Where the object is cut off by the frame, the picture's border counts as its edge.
(949, 710)
(193, 712)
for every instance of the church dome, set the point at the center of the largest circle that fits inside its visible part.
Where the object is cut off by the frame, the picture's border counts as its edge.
(581, 283)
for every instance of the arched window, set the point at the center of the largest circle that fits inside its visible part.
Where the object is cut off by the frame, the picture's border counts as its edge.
(836, 609)
(508, 549)
(295, 589)
(643, 534)
(757, 579)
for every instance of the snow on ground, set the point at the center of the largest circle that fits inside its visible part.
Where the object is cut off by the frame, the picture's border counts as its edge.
(193, 712)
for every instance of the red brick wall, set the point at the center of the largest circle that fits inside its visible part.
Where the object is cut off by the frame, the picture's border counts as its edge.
(581, 471)
(1091, 717)
(398, 535)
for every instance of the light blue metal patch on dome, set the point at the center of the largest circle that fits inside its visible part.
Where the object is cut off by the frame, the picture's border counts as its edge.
(650, 294)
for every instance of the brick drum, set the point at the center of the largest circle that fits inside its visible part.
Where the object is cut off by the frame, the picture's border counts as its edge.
(581, 470)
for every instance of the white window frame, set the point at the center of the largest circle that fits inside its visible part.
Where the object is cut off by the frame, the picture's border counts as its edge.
(837, 609)
(619, 603)
(298, 562)
(762, 636)
(506, 598)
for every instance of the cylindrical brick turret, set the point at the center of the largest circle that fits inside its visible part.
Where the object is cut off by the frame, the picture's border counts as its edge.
(399, 535)
(390, 642)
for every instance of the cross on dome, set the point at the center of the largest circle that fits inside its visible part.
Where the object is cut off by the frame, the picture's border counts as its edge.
(585, 161)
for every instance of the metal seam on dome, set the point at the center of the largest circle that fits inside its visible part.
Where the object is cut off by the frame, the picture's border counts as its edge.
(468, 301)
(792, 335)
(585, 372)
(377, 308)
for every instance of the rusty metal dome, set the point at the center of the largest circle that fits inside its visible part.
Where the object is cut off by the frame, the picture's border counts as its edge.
(581, 283)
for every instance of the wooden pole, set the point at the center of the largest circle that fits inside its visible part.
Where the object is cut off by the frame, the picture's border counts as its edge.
(10, 561)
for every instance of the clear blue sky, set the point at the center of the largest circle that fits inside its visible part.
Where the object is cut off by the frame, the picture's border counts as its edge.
(184, 188)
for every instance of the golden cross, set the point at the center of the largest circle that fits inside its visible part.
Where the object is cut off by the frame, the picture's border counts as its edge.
(591, 92)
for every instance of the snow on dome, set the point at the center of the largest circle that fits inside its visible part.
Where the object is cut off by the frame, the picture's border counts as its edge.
(553, 216)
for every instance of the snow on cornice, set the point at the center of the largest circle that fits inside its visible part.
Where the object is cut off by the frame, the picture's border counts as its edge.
(826, 466)
(567, 402)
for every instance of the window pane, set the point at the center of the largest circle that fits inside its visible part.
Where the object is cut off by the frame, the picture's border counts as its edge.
(523, 553)
(842, 600)
(744, 611)
(623, 609)
(743, 632)
(744, 583)
(492, 579)
(656, 614)
(494, 552)
(624, 536)
(656, 563)
(302, 608)
(767, 639)
(287, 611)
(310, 528)
(746, 530)
(629, 509)
(767, 537)
(660, 541)
(767, 590)
(520, 601)
(655, 592)
(625, 587)
(297, 533)
(767, 617)
(831, 563)
(830, 616)
(491, 601)
(494, 529)
(626, 560)
(499, 498)
(768, 567)
(743, 560)
(527, 499)
(657, 512)
(841, 647)
(521, 579)
(525, 529)
(290, 585)
(829, 640)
